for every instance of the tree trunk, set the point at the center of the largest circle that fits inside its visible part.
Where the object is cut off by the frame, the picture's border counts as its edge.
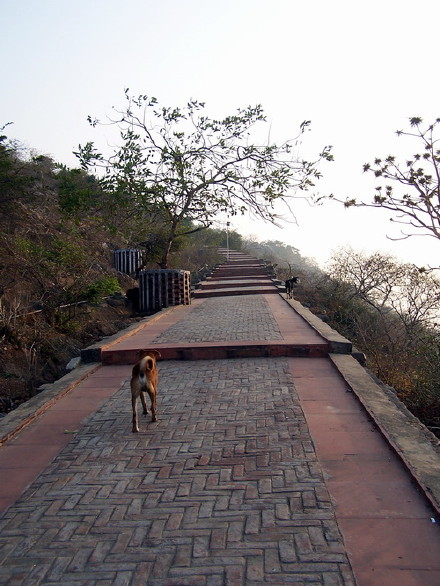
(166, 253)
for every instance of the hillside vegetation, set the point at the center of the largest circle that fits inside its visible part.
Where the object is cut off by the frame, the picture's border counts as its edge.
(390, 311)
(58, 289)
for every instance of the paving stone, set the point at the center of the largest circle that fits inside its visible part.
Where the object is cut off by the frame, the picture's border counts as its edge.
(225, 319)
(224, 489)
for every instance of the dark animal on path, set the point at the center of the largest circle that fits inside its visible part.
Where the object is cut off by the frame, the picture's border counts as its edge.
(144, 378)
(289, 286)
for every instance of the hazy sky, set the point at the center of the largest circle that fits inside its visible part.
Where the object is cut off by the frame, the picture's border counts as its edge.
(357, 70)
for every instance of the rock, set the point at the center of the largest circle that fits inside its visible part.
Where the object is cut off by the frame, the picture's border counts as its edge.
(73, 363)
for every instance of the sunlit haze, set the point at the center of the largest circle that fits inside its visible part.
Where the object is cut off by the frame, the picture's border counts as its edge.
(357, 70)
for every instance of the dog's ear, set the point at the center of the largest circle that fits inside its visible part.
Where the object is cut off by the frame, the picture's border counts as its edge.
(156, 353)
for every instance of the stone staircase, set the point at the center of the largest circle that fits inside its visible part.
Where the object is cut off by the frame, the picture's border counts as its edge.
(241, 274)
(238, 312)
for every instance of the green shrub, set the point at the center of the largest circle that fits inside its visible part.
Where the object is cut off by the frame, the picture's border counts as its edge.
(101, 288)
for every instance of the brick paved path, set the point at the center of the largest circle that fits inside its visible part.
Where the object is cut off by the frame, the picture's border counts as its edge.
(225, 319)
(224, 489)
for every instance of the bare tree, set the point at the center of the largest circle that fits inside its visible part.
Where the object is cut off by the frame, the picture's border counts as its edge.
(390, 286)
(409, 189)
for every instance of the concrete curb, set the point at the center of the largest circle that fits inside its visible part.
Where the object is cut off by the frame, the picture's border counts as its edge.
(93, 353)
(218, 351)
(416, 446)
(336, 342)
(25, 413)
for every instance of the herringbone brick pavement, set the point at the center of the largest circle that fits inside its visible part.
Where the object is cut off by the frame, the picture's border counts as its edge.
(225, 319)
(224, 489)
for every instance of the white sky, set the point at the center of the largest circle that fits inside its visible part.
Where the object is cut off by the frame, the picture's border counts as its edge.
(357, 70)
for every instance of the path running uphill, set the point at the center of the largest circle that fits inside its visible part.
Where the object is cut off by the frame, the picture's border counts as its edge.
(267, 465)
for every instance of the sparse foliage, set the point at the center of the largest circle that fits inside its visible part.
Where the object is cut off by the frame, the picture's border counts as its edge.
(14, 184)
(388, 285)
(390, 310)
(190, 167)
(410, 189)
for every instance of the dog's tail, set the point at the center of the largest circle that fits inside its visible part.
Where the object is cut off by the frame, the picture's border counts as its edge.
(146, 364)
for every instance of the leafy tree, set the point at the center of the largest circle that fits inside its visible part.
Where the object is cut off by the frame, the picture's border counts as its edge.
(78, 192)
(191, 167)
(198, 252)
(412, 191)
(233, 238)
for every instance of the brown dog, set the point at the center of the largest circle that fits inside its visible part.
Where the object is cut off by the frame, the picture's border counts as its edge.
(144, 380)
